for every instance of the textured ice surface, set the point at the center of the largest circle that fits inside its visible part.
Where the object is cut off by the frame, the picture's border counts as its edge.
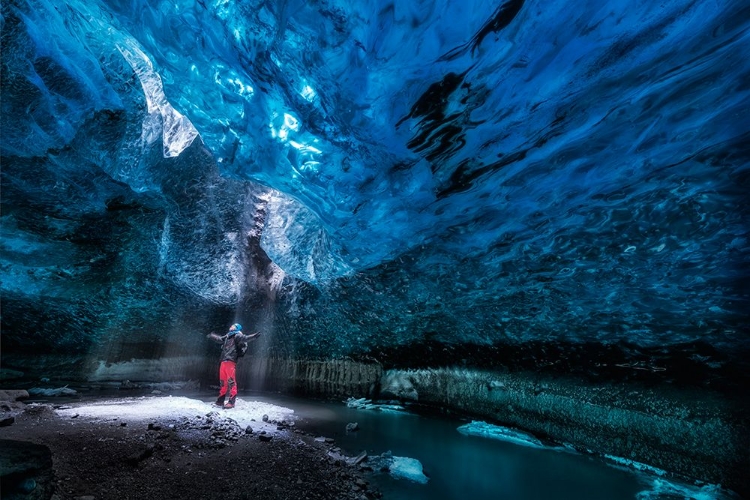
(661, 489)
(483, 429)
(408, 468)
(658, 486)
(632, 464)
(367, 404)
(176, 131)
(441, 171)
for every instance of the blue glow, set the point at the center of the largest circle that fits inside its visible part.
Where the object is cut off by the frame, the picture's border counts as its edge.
(592, 160)
(415, 182)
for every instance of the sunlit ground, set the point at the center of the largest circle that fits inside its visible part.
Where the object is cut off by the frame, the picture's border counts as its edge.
(147, 408)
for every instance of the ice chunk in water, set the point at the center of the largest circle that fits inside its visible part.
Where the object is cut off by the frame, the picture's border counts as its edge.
(408, 468)
(484, 429)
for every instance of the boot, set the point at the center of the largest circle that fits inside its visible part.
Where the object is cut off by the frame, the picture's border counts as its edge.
(220, 401)
(230, 404)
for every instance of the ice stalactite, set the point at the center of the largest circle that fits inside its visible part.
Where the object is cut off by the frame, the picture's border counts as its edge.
(163, 121)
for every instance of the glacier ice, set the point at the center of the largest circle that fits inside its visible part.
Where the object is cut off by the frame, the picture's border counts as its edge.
(428, 173)
(636, 465)
(295, 238)
(483, 429)
(367, 404)
(408, 468)
(177, 132)
(660, 488)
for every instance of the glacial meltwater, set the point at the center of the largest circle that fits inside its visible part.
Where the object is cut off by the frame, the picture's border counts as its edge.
(461, 466)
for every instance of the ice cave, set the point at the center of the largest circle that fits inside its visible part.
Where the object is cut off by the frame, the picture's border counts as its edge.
(494, 249)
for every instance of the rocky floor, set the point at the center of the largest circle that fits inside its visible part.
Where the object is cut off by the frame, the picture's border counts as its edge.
(128, 449)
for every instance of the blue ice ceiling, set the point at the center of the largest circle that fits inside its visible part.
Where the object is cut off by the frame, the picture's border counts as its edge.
(551, 168)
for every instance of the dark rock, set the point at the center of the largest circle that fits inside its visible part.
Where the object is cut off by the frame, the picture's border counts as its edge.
(7, 374)
(248, 430)
(7, 421)
(128, 385)
(359, 458)
(140, 456)
(13, 395)
(25, 470)
(265, 418)
(265, 437)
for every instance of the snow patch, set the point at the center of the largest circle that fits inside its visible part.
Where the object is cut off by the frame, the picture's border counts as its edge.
(245, 412)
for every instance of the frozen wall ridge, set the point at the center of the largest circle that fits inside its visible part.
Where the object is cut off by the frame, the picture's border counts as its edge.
(696, 435)
(483, 429)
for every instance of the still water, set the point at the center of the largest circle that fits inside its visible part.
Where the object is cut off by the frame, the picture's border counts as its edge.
(459, 466)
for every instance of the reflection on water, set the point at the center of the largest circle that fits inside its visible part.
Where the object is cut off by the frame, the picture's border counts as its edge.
(461, 466)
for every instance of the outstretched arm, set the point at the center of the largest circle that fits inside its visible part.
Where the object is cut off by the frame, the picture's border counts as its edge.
(216, 338)
(253, 336)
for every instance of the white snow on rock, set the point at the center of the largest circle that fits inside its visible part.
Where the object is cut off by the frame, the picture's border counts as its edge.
(149, 408)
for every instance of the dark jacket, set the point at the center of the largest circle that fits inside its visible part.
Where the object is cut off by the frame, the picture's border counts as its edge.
(229, 344)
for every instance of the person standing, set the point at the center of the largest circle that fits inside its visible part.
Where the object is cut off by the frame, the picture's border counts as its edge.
(233, 347)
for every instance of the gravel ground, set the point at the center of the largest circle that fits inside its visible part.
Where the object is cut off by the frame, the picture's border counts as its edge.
(164, 447)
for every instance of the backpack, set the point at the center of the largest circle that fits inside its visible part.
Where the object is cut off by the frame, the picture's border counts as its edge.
(241, 347)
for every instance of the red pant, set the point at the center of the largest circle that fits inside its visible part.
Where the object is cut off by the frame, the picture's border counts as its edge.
(227, 380)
